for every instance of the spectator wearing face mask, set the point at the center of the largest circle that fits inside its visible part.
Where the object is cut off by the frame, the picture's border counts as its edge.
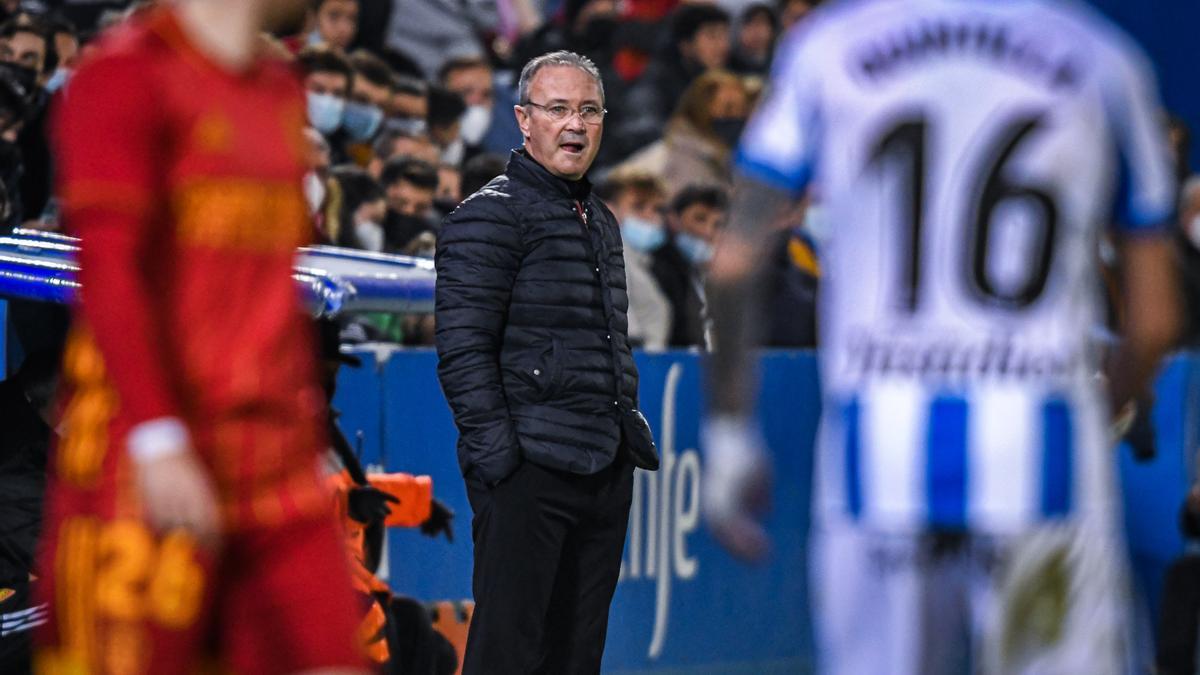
(12, 117)
(418, 330)
(66, 47)
(488, 124)
(754, 44)
(681, 263)
(410, 185)
(700, 136)
(336, 23)
(27, 47)
(449, 189)
(321, 192)
(392, 143)
(444, 124)
(27, 43)
(328, 81)
(362, 210)
(369, 104)
(638, 201)
(410, 103)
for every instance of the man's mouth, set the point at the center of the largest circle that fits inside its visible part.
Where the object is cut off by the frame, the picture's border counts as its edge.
(573, 147)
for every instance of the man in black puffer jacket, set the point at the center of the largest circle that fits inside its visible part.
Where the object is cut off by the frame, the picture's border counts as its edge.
(536, 365)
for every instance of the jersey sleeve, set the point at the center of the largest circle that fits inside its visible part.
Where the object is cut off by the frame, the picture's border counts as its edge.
(1145, 186)
(109, 132)
(781, 142)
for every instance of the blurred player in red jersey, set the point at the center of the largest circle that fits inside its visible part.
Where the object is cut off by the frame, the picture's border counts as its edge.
(187, 523)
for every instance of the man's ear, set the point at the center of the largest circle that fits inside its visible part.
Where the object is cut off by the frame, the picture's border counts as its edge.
(522, 120)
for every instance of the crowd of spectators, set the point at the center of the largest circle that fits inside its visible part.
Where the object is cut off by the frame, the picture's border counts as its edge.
(410, 109)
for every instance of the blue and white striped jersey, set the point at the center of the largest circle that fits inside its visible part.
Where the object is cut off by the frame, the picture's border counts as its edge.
(968, 154)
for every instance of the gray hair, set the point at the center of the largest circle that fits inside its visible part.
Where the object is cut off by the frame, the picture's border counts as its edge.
(559, 58)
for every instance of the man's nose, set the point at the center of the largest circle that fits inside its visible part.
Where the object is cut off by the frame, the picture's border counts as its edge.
(575, 122)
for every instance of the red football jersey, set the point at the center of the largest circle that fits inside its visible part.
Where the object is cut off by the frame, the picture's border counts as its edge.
(183, 180)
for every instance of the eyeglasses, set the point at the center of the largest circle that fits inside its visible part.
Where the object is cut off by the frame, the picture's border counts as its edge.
(590, 114)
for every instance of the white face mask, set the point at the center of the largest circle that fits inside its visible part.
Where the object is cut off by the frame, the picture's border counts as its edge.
(370, 236)
(314, 191)
(58, 80)
(694, 248)
(474, 123)
(453, 153)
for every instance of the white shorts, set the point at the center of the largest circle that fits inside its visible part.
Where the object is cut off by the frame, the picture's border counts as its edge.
(1053, 601)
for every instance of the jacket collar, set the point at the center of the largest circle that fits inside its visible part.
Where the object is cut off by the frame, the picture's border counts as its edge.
(523, 168)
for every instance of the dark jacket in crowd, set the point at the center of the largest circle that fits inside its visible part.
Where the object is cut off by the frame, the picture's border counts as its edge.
(684, 288)
(793, 278)
(648, 104)
(531, 325)
(399, 231)
(38, 167)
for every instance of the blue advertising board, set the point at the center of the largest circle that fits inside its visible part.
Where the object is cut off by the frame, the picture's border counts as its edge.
(682, 602)
(683, 605)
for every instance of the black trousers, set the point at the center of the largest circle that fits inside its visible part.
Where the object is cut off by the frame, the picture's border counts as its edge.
(547, 555)
(1180, 618)
(19, 615)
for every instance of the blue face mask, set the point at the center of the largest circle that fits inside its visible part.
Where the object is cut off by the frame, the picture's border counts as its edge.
(694, 248)
(325, 112)
(58, 80)
(361, 121)
(405, 125)
(641, 234)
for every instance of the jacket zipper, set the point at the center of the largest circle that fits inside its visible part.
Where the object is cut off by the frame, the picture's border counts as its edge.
(617, 374)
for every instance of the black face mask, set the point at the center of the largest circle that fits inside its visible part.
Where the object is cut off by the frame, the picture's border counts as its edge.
(400, 229)
(25, 77)
(728, 129)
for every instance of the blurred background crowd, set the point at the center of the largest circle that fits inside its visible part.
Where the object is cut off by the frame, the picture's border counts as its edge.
(410, 106)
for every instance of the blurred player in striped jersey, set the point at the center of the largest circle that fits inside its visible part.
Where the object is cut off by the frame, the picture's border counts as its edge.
(187, 525)
(969, 155)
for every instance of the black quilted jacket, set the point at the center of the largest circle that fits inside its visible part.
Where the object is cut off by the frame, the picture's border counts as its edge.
(531, 325)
